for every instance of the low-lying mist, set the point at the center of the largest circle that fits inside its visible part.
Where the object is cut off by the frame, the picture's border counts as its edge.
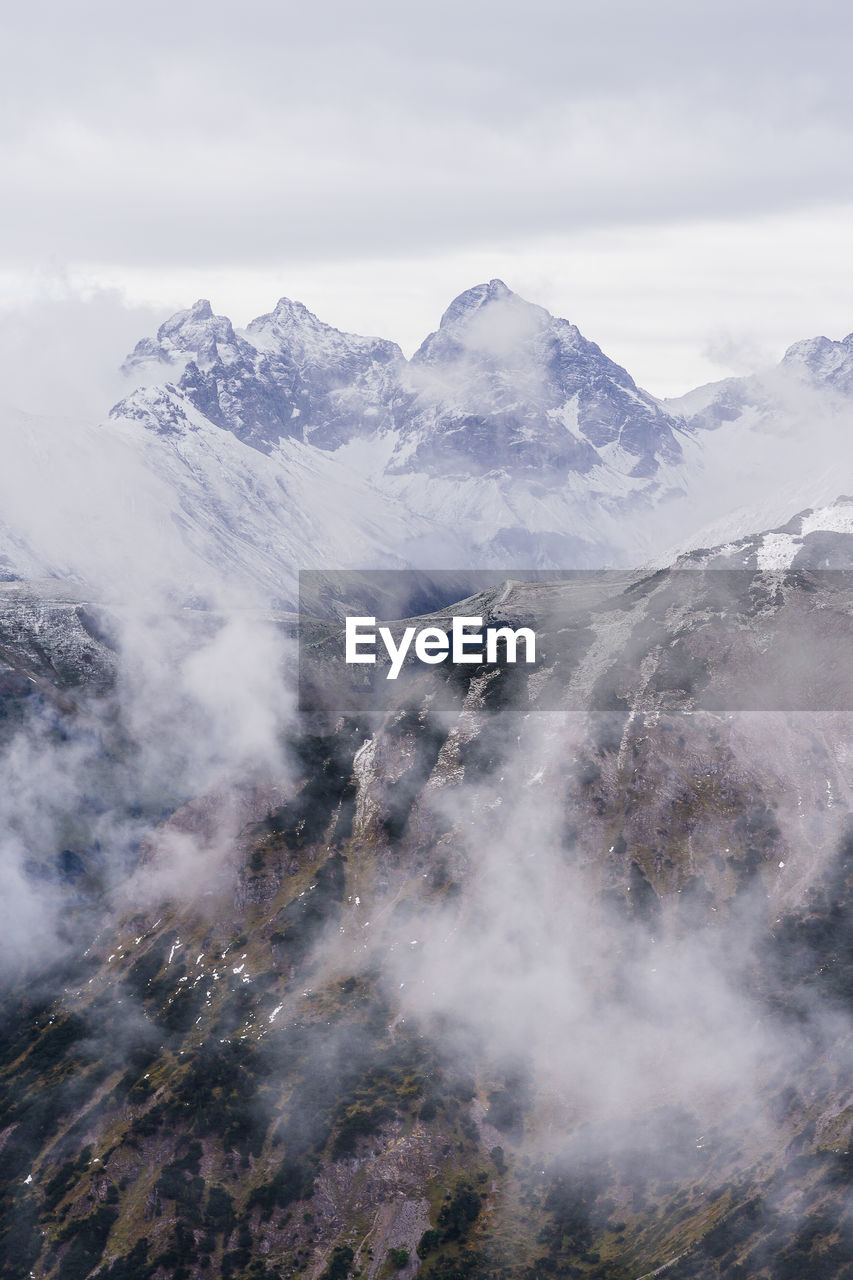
(195, 711)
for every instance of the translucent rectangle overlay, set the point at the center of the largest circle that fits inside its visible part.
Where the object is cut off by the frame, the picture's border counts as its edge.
(673, 640)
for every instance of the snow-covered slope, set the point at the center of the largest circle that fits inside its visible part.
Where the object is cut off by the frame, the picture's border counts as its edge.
(817, 538)
(768, 445)
(258, 517)
(188, 511)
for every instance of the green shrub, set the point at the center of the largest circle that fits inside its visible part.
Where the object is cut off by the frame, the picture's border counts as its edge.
(456, 1216)
(294, 1180)
(428, 1243)
(339, 1264)
(219, 1213)
(88, 1237)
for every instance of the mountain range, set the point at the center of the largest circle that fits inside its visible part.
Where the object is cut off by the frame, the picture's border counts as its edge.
(490, 973)
(508, 440)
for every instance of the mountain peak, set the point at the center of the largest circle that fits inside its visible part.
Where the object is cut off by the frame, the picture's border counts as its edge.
(472, 300)
(198, 326)
(288, 323)
(290, 309)
(293, 331)
(195, 334)
(504, 385)
(807, 349)
(823, 361)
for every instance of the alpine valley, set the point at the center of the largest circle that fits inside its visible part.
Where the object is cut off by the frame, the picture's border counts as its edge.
(489, 972)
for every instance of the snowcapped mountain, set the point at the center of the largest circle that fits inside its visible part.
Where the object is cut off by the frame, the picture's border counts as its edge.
(503, 385)
(509, 440)
(324, 1008)
(288, 376)
(335, 909)
(813, 373)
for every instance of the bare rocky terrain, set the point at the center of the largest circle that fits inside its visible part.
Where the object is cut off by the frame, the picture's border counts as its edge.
(517, 972)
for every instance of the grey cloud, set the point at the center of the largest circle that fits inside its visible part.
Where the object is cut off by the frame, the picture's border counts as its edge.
(194, 136)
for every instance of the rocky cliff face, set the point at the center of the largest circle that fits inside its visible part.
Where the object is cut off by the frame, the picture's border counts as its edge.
(288, 376)
(504, 386)
(526, 971)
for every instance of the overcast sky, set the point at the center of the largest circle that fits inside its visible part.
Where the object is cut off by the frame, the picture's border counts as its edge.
(674, 177)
